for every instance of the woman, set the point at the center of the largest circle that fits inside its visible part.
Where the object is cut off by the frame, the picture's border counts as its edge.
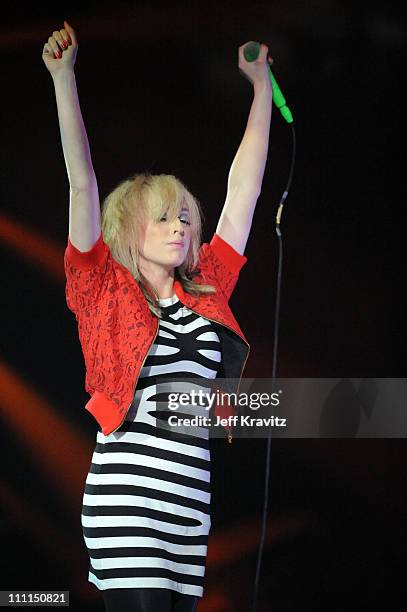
(152, 305)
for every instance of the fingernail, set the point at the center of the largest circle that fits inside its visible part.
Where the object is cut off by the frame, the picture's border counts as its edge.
(58, 54)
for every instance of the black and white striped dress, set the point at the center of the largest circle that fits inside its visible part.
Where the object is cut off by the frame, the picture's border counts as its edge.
(146, 505)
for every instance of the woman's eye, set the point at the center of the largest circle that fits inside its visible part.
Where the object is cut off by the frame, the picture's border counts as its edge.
(183, 220)
(163, 218)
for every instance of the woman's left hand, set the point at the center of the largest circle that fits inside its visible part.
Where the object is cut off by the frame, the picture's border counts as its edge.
(256, 71)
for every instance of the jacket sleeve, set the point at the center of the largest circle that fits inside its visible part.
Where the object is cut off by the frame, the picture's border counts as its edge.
(84, 272)
(223, 263)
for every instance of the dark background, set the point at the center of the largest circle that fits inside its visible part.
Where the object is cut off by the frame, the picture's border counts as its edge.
(160, 91)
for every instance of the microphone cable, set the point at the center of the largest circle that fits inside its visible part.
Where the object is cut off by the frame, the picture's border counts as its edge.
(274, 369)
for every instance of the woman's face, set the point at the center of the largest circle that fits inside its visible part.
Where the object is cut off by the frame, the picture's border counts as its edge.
(166, 242)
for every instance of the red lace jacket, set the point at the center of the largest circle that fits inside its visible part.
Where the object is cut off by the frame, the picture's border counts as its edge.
(117, 328)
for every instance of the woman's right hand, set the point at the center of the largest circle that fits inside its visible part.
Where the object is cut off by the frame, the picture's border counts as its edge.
(59, 53)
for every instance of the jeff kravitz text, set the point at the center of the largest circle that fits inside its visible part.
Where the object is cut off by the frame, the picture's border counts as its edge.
(233, 420)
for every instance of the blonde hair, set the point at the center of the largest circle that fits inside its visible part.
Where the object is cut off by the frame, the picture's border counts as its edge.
(125, 209)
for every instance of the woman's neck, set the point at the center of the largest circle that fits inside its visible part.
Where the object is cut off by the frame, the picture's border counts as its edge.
(159, 277)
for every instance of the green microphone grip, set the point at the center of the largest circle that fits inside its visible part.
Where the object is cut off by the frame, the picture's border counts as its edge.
(251, 53)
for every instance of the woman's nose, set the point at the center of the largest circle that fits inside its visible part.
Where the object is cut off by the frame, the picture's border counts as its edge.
(178, 226)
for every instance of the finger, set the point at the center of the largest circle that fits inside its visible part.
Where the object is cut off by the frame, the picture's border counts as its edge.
(71, 32)
(47, 50)
(53, 44)
(66, 37)
(57, 36)
(263, 52)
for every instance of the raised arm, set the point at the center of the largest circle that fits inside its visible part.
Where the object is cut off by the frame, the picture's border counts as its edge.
(247, 169)
(59, 55)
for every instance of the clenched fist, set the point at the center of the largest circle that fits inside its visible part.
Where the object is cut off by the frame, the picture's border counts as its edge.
(257, 70)
(59, 53)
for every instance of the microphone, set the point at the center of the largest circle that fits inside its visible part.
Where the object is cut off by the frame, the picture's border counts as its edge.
(251, 53)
